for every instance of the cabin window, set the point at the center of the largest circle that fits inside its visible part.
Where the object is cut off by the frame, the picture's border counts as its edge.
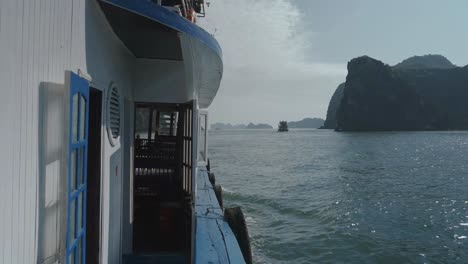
(81, 166)
(166, 123)
(163, 123)
(82, 125)
(74, 129)
(202, 137)
(72, 225)
(142, 117)
(73, 169)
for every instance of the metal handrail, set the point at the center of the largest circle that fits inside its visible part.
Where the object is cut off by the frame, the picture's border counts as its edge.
(186, 5)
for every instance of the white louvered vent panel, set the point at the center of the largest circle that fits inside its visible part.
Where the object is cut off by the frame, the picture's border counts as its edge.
(113, 117)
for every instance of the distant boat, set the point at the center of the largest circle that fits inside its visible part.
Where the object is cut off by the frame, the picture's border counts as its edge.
(283, 126)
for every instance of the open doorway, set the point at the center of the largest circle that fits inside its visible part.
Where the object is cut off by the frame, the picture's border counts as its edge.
(93, 202)
(162, 179)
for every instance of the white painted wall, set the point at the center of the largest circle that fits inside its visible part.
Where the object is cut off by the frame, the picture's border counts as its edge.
(203, 70)
(36, 46)
(52, 186)
(39, 40)
(161, 81)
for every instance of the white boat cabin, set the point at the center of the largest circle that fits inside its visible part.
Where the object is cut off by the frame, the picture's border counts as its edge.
(102, 131)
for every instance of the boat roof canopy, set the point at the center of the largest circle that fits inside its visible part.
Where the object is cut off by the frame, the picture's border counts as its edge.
(141, 24)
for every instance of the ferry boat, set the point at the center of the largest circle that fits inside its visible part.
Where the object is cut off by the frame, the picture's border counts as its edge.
(104, 138)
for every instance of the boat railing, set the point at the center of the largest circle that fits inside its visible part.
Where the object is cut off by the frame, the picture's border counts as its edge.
(190, 9)
(155, 157)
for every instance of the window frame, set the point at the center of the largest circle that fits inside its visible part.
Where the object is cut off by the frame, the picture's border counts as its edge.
(202, 162)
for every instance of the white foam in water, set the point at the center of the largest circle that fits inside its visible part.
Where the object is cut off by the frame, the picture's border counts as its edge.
(249, 219)
(464, 224)
(226, 190)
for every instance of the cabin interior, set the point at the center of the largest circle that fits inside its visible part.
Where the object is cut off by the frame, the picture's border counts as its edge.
(162, 194)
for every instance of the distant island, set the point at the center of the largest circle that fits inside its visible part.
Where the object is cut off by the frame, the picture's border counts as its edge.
(228, 126)
(304, 123)
(420, 93)
(307, 123)
(258, 126)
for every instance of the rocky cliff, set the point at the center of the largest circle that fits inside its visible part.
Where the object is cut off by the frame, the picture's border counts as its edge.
(404, 97)
(426, 62)
(330, 121)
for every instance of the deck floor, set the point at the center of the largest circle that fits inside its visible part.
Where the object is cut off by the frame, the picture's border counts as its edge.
(155, 258)
(214, 240)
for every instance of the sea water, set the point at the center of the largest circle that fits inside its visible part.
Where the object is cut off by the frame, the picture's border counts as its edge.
(319, 196)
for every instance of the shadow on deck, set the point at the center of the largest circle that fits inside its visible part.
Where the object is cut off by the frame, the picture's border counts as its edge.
(168, 258)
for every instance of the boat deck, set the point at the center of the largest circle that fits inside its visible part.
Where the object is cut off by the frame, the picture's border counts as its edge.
(157, 258)
(214, 240)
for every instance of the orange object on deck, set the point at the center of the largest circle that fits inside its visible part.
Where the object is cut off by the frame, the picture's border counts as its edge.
(192, 15)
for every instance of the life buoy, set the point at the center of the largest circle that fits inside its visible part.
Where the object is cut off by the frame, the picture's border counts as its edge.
(212, 178)
(236, 220)
(219, 194)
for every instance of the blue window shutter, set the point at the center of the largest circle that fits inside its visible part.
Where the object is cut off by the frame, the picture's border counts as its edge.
(77, 170)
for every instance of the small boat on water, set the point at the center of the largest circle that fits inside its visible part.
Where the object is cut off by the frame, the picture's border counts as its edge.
(283, 126)
(104, 145)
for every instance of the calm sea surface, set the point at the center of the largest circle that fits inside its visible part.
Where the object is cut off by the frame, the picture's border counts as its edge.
(317, 196)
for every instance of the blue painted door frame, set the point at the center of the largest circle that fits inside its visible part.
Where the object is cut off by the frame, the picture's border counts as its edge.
(77, 169)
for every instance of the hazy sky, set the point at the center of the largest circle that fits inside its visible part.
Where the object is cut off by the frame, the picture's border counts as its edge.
(283, 59)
